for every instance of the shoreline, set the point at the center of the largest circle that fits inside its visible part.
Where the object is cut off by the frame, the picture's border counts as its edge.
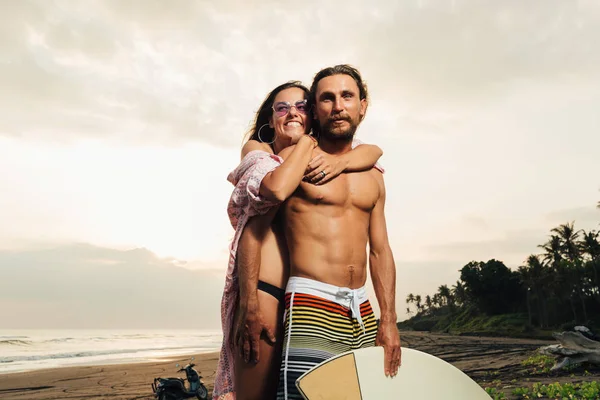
(123, 362)
(117, 361)
(119, 381)
(495, 362)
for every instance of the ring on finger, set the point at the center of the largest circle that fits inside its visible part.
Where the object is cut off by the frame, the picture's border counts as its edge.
(323, 173)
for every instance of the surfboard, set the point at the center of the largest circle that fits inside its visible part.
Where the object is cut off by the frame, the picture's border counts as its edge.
(359, 375)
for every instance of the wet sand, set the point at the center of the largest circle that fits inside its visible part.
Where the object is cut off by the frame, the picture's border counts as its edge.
(494, 362)
(119, 382)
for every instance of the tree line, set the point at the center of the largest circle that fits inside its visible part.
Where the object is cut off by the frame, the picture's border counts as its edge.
(558, 285)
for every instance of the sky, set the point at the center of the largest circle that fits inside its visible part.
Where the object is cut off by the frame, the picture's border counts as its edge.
(120, 120)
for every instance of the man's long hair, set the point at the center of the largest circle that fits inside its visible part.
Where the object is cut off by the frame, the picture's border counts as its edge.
(263, 115)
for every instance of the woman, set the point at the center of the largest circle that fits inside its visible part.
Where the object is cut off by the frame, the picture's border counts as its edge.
(258, 251)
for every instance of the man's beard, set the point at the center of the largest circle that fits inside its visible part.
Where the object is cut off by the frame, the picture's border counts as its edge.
(335, 134)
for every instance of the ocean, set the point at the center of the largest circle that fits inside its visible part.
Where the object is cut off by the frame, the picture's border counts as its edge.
(26, 350)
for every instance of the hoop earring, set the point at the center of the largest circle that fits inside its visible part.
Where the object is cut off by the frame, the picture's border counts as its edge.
(259, 138)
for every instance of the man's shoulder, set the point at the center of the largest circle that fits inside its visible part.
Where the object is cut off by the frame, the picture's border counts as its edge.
(377, 177)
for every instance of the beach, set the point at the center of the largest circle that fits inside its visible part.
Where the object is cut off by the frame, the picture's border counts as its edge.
(119, 382)
(491, 361)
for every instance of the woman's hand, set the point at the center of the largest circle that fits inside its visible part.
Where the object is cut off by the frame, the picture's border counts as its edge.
(324, 167)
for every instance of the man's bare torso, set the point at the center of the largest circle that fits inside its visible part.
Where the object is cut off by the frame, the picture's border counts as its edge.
(327, 228)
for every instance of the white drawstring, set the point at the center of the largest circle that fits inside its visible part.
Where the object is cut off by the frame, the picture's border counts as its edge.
(351, 296)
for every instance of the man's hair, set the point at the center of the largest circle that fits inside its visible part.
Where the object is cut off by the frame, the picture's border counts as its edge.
(340, 69)
(263, 115)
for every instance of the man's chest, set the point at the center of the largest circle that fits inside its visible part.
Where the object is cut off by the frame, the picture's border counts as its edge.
(354, 190)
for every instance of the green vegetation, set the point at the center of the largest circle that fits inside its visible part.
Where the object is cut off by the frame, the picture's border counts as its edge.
(571, 391)
(555, 289)
(495, 393)
(575, 391)
(540, 363)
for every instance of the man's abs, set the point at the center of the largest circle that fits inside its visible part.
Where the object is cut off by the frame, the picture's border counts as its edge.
(327, 229)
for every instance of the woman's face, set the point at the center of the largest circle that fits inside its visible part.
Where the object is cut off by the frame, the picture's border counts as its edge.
(290, 118)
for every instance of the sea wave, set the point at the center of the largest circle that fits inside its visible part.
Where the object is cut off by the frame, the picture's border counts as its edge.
(59, 340)
(80, 354)
(15, 342)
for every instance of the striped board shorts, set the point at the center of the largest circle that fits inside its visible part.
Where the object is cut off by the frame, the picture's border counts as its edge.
(321, 321)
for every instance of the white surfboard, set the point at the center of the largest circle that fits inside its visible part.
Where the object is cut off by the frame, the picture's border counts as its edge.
(359, 375)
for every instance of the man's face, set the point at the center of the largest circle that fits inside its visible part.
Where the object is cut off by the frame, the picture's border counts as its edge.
(338, 107)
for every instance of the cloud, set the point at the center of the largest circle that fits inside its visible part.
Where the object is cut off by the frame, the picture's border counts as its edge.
(587, 218)
(80, 285)
(487, 114)
(170, 200)
(511, 246)
(512, 249)
(146, 71)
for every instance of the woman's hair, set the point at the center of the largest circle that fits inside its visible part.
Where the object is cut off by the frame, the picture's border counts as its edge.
(265, 111)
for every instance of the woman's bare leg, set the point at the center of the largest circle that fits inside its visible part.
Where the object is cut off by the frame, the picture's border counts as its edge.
(259, 381)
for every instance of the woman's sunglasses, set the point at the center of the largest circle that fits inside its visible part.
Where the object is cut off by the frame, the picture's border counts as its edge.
(281, 108)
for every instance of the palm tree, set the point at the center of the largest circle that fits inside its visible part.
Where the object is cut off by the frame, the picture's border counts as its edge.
(589, 246)
(459, 293)
(563, 282)
(581, 284)
(568, 238)
(418, 303)
(527, 281)
(428, 302)
(534, 276)
(437, 300)
(552, 250)
(409, 300)
(445, 293)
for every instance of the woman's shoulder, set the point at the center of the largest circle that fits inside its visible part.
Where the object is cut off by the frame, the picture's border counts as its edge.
(253, 145)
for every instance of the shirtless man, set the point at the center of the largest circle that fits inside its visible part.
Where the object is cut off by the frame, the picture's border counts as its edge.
(327, 228)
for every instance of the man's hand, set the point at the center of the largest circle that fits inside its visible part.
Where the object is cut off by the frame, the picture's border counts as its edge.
(389, 337)
(248, 329)
(330, 164)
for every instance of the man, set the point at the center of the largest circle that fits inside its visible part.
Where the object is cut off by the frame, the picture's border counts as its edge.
(327, 228)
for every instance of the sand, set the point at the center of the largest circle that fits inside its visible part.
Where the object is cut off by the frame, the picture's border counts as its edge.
(490, 361)
(119, 382)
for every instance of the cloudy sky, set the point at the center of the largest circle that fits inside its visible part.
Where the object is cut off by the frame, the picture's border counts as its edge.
(120, 120)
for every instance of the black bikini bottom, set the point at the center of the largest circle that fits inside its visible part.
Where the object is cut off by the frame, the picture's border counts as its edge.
(274, 291)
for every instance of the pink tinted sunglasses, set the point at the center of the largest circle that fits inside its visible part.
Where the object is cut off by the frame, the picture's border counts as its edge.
(281, 108)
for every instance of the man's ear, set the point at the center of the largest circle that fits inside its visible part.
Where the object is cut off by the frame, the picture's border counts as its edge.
(363, 108)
